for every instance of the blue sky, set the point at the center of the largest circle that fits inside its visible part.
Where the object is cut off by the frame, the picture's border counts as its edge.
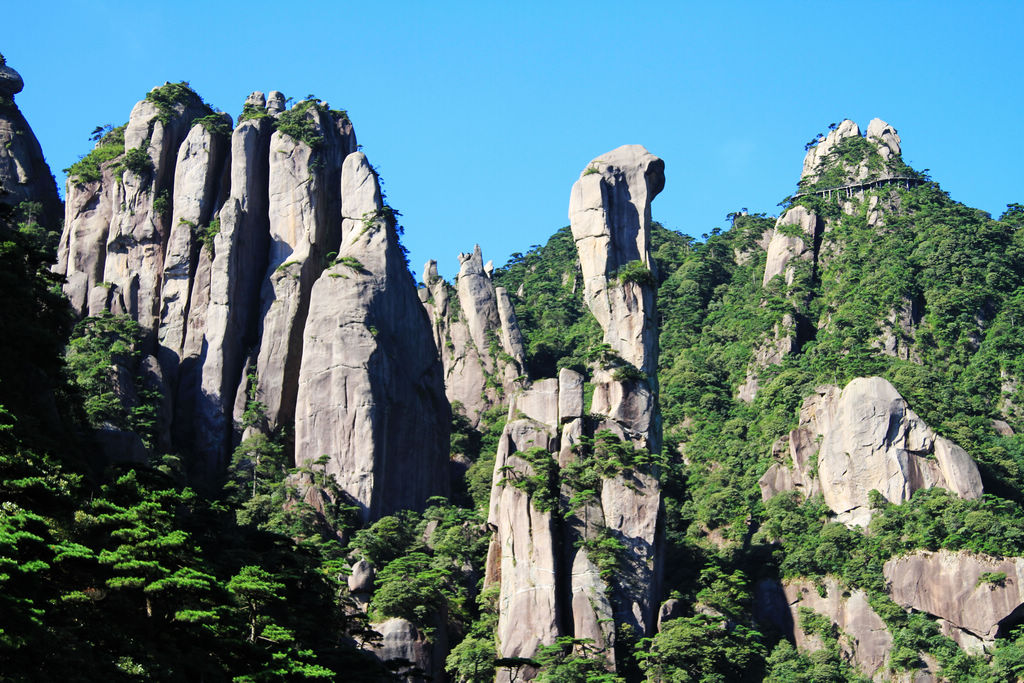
(480, 116)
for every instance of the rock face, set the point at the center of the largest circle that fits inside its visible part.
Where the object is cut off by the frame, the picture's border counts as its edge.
(795, 239)
(817, 156)
(785, 247)
(610, 214)
(370, 389)
(305, 219)
(239, 260)
(864, 638)
(218, 248)
(24, 174)
(418, 659)
(870, 439)
(978, 597)
(551, 575)
(477, 336)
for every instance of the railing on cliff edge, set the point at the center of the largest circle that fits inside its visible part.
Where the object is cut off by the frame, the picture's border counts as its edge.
(906, 181)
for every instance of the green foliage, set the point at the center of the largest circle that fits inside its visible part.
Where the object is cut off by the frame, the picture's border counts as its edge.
(635, 271)
(573, 660)
(472, 660)
(702, 648)
(992, 578)
(137, 160)
(252, 111)
(162, 204)
(169, 97)
(540, 483)
(103, 349)
(89, 169)
(302, 122)
(206, 235)
(556, 324)
(215, 124)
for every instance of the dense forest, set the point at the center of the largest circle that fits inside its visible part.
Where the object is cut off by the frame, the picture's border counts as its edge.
(146, 568)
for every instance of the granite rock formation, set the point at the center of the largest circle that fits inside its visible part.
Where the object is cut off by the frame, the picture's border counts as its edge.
(24, 174)
(866, 438)
(370, 389)
(976, 597)
(476, 334)
(226, 246)
(551, 575)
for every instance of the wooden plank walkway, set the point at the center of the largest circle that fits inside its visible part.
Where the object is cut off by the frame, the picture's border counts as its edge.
(849, 190)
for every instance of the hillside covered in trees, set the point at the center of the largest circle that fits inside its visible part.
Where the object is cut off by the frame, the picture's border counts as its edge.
(238, 441)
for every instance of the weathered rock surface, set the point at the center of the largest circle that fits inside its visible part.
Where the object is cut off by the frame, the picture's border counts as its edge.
(304, 227)
(416, 658)
(139, 229)
(816, 156)
(610, 214)
(785, 248)
(864, 637)
(370, 389)
(887, 136)
(870, 439)
(240, 259)
(197, 173)
(477, 336)
(548, 579)
(949, 585)
(24, 174)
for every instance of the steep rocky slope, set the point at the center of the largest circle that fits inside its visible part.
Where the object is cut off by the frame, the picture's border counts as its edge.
(262, 265)
(788, 452)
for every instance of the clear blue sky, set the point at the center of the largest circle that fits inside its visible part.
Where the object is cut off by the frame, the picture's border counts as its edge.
(479, 116)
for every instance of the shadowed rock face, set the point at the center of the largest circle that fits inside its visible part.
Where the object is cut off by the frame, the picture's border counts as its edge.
(869, 439)
(370, 389)
(218, 248)
(24, 174)
(864, 638)
(949, 585)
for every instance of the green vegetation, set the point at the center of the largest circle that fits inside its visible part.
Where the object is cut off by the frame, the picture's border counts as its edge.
(137, 160)
(252, 111)
(206, 234)
(215, 124)
(170, 96)
(635, 271)
(301, 122)
(88, 169)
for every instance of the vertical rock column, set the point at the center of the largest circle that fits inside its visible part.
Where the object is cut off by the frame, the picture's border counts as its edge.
(139, 227)
(239, 262)
(610, 215)
(477, 336)
(197, 174)
(370, 388)
(545, 531)
(302, 226)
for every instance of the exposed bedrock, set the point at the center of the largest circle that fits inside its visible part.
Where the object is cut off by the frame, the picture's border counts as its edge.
(977, 597)
(370, 393)
(477, 336)
(869, 439)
